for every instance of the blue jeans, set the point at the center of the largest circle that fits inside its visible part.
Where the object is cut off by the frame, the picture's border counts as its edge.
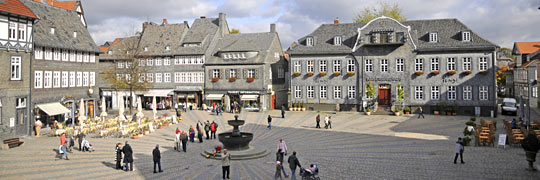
(283, 169)
(159, 165)
(293, 174)
(269, 125)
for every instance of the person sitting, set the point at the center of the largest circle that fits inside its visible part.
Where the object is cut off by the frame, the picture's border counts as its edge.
(216, 151)
(514, 124)
(311, 170)
(87, 146)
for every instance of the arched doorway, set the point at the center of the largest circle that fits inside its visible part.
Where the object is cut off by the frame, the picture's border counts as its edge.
(384, 94)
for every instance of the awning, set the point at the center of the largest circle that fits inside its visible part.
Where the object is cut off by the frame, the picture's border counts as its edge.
(53, 109)
(158, 92)
(214, 96)
(249, 97)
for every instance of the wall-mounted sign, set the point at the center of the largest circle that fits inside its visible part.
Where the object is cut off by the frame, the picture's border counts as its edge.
(244, 92)
(450, 80)
(383, 79)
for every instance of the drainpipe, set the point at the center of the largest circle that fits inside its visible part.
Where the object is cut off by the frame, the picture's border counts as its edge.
(30, 114)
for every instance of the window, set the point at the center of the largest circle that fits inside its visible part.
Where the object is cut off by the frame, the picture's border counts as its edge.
(337, 65)
(351, 92)
(201, 77)
(65, 79)
(466, 35)
(434, 64)
(79, 79)
(85, 78)
(38, 51)
(149, 62)
(369, 65)
(72, 78)
(79, 56)
(232, 73)
(142, 62)
(21, 103)
(92, 78)
(322, 66)
(167, 61)
(451, 64)
(309, 41)
(418, 64)
(15, 68)
(158, 77)
(418, 92)
(433, 37)
(150, 77)
(400, 64)
(467, 92)
(310, 66)
(75, 34)
(251, 73)
(215, 73)
(535, 91)
(310, 92)
(128, 64)
(12, 33)
(120, 65)
(297, 66)
(85, 57)
(48, 54)
(451, 92)
(483, 63)
(384, 65)
(56, 54)
(322, 93)
(158, 62)
(22, 32)
(72, 57)
(65, 56)
(128, 77)
(177, 60)
(47, 79)
(337, 92)
(297, 92)
(167, 48)
(350, 65)
(483, 93)
(467, 64)
(281, 72)
(337, 40)
(52, 30)
(38, 79)
(435, 95)
(177, 78)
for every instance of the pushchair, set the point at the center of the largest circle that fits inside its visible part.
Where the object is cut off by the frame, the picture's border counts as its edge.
(310, 173)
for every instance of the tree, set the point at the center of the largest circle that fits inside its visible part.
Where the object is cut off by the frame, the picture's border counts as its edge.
(501, 77)
(370, 90)
(235, 31)
(384, 9)
(131, 77)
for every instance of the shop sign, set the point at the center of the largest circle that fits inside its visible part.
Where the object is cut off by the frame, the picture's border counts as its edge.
(450, 80)
(243, 92)
(383, 79)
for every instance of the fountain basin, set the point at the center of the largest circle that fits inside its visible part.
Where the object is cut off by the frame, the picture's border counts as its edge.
(235, 143)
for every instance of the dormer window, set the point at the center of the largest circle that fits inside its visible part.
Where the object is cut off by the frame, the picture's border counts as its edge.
(243, 55)
(167, 48)
(466, 36)
(75, 34)
(234, 56)
(309, 41)
(52, 30)
(433, 37)
(109, 52)
(225, 56)
(337, 40)
(145, 48)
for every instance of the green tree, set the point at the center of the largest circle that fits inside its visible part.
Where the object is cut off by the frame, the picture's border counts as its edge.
(235, 31)
(400, 92)
(370, 90)
(384, 9)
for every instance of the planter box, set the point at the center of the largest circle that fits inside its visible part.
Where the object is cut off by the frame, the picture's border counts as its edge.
(309, 74)
(135, 137)
(368, 113)
(436, 112)
(396, 113)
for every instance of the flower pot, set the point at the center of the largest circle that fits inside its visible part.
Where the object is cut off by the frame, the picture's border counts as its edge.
(368, 113)
(135, 137)
(296, 74)
(452, 72)
(303, 109)
(250, 79)
(350, 74)
(435, 72)
(407, 112)
(468, 72)
(444, 113)
(232, 79)
(436, 112)
(215, 79)
(309, 74)
(484, 72)
(322, 74)
(146, 132)
(336, 73)
(454, 114)
(159, 127)
(419, 73)
(396, 113)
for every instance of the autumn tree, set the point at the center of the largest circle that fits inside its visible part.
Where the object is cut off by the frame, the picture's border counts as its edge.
(235, 31)
(501, 77)
(384, 9)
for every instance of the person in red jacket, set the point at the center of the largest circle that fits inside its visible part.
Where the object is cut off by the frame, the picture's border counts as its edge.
(62, 139)
(213, 129)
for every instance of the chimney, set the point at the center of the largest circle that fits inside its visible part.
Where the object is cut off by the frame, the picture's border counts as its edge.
(336, 21)
(222, 24)
(202, 17)
(272, 27)
(164, 21)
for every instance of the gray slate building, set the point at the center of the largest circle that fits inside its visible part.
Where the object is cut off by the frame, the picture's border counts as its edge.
(65, 65)
(434, 61)
(247, 68)
(16, 45)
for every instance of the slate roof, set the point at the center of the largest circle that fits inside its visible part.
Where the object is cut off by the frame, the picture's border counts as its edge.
(16, 7)
(201, 31)
(120, 47)
(244, 42)
(448, 30)
(156, 37)
(527, 47)
(65, 23)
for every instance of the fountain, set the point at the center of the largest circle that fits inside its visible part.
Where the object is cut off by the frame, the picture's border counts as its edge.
(237, 144)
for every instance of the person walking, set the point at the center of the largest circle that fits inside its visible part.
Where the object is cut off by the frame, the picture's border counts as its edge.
(63, 152)
(293, 163)
(531, 145)
(330, 122)
(71, 143)
(226, 164)
(213, 128)
(269, 122)
(279, 158)
(118, 159)
(157, 158)
(326, 119)
(318, 120)
(207, 129)
(184, 139)
(38, 126)
(278, 170)
(200, 131)
(128, 156)
(421, 113)
(62, 138)
(282, 146)
(459, 150)
(80, 138)
(283, 111)
(191, 134)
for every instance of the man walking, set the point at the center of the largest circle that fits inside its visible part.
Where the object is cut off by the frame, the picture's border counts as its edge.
(269, 122)
(200, 131)
(157, 158)
(207, 129)
(226, 164)
(421, 113)
(330, 122)
(128, 156)
(459, 150)
(184, 139)
(80, 138)
(326, 119)
(213, 128)
(531, 145)
(293, 163)
(318, 120)
(282, 111)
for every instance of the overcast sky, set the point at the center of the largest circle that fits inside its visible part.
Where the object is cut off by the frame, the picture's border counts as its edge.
(500, 21)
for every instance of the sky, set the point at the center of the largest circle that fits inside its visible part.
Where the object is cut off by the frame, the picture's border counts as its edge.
(502, 22)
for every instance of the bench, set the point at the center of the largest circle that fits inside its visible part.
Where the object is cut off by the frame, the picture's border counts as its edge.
(13, 142)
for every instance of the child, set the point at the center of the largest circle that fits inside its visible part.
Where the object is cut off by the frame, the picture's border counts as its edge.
(278, 170)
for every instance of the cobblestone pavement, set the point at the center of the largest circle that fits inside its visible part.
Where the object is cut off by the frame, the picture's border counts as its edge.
(358, 147)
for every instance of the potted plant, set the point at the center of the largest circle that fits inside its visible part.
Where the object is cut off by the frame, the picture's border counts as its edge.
(435, 72)
(350, 74)
(303, 106)
(232, 79)
(336, 73)
(419, 73)
(160, 126)
(294, 106)
(368, 111)
(484, 72)
(322, 74)
(407, 110)
(454, 107)
(309, 74)
(135, 135)
(215, 79)
(397, 112)
(250, 79)
(451, 72)
(296, 74)
(290, 107)
(443, 107)
(436, 110)
(467, 72)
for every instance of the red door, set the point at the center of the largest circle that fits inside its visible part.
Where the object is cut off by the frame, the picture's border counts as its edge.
(273, 101)
(384, 96)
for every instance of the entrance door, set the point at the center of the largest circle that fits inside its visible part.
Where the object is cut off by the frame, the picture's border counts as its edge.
(384, 94)
(273, 101)
(90, 108)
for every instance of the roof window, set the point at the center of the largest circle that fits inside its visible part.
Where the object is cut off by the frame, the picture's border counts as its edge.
(433, 37)
(309, 41)
(466, 36)
(337, 40)
(52, 30)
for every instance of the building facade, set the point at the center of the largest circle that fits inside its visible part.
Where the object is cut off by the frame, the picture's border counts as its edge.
(16, 45)
(523, 75)
(65, 65)
(434, 61)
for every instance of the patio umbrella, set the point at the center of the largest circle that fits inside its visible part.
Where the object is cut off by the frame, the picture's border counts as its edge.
(121, 116)
(154, 106)
(103, 109)
(82, 116)
(140, 114)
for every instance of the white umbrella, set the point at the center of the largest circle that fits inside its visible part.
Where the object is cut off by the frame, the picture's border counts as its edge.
(103, 109)
(154, 106)
(140, 114)
(121, 116)
(82, 116)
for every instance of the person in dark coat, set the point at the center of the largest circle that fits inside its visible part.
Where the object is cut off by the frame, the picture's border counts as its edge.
(80, 138)
(269, 122)
(207, 129)
(531, 145)
(318, 120)
(459, 150)
(128, 156)
(184, 139)
(118, 156)
(157, 158)
(293, 163)
(282, 111)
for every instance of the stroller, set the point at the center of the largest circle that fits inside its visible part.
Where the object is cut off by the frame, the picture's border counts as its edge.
(310, 173)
